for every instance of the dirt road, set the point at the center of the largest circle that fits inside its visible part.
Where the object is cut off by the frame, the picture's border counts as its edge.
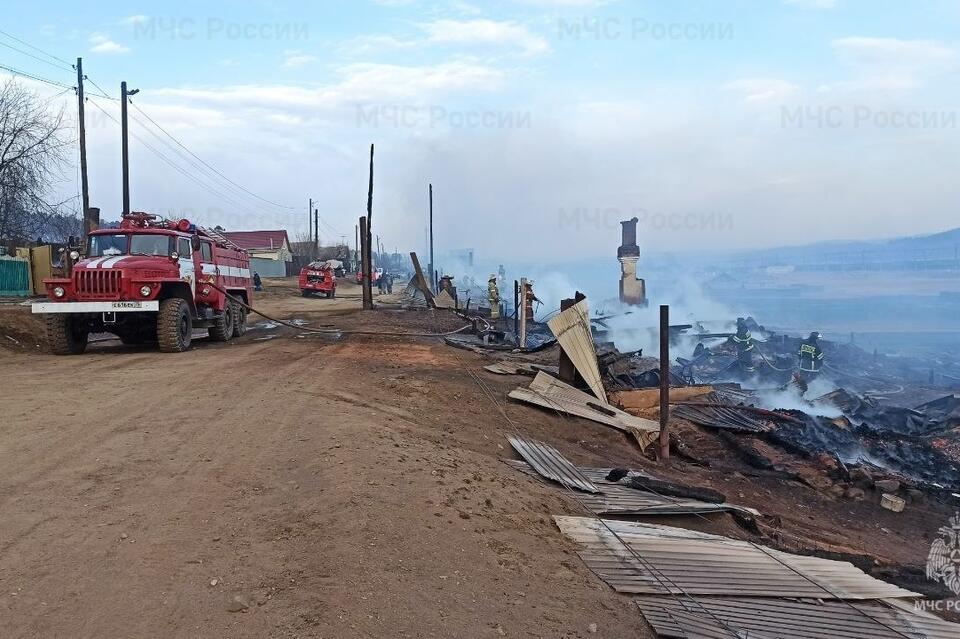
(294, 486)
(285, 485)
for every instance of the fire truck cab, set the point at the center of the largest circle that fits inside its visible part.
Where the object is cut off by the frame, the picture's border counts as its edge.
(318, 277)
(150, 280)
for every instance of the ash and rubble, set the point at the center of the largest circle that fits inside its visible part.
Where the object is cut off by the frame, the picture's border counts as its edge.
(865, 416)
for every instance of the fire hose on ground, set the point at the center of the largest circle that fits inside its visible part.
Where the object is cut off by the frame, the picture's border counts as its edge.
(333, 331)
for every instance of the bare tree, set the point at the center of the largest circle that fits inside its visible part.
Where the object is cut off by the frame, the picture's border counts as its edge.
(33, 151)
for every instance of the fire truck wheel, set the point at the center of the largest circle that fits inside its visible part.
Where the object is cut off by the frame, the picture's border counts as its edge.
(174, 326)
(331, 293)
(222, 329)
(65, 336)
(306, 293)
(239, 320)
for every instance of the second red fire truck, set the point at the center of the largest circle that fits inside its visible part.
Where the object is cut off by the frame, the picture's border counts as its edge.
(150, 280)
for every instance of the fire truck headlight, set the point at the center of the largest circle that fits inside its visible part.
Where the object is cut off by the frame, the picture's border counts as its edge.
(145, 291)
(74, 255)
(58, 291)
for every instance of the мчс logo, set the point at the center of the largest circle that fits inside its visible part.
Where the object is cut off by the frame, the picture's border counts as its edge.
(943, 562)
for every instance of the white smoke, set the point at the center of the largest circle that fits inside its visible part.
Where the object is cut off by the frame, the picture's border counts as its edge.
(638, 328)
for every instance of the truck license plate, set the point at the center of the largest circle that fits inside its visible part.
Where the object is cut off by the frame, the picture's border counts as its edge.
(127, 305)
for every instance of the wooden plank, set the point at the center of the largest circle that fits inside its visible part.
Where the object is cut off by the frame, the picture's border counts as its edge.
(648, 399)
(551, 393)
(421, 280)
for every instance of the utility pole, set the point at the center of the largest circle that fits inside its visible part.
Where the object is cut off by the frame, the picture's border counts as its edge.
(124, 144)
(84, 186)
(366, 228)
(664, 382)
(316, 231)
(309, 217)
(431, 240)
(366, 280)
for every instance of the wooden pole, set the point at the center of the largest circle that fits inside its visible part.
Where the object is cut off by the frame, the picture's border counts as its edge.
(370, 248)
(431, 236)
(366, 281)
(522, 312)
(84, 185)
(516, 308)
(421, 280)
(664, 382)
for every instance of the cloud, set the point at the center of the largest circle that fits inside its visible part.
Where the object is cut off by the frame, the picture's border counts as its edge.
(296, 59)
(892, 63)
(485, 32)
(103, 44)
(366, 44)
(134, 20)
(358, 83)
(469, 33)
(764, 90)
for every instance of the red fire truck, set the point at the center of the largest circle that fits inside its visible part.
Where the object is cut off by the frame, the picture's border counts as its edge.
(149, 280)
(318, 277)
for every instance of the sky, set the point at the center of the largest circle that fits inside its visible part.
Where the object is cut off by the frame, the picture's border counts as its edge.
(541, 123)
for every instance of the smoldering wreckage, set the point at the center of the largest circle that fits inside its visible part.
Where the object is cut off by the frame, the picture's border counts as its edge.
(860, 428)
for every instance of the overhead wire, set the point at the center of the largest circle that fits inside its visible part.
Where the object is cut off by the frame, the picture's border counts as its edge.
(37, 58)
(33, 76)
(213, 188)
(103, 93)
(170, 162)
(38, 49)
(206, 164)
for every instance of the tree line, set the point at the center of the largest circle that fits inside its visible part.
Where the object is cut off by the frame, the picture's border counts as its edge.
(35, 144)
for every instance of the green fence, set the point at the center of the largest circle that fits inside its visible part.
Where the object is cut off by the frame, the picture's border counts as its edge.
(14, 276)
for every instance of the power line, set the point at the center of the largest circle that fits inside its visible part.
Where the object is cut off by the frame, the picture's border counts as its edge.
(167, 160)
(212, 188)
(49, 55)
(37, 58)
(38, 78)
(103, 93)
(57, 95)
(180, 154)
(181, 145)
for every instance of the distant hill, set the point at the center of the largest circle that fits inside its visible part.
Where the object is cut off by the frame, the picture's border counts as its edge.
(942, 247)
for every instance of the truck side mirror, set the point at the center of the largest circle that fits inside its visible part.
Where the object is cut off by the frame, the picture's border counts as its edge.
(195, 242)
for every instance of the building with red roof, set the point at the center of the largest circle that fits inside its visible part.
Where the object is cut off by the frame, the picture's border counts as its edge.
(269, 251)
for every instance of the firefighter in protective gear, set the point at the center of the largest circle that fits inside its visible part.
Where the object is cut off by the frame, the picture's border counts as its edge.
(745, 345)
(811, 356)
(493, 296)
(528, 299)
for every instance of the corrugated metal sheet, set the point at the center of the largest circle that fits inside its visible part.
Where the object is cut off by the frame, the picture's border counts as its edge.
(617, 499)
(572, 330)
(14, 276)
(719, 417)
(548, 461)
(696, 626)
(551, 393)
(666, 560)
(792, 618)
